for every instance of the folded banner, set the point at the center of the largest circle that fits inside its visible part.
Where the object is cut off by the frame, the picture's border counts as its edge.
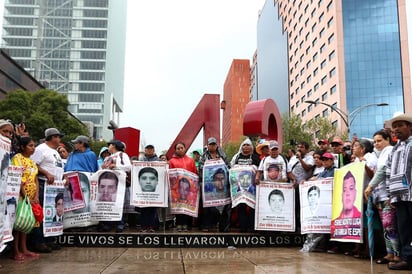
(149, 184)
(216, 187)
(107, 195)
(73, 194)
(242, 189)
(53, 208)
(316, 205)
(5, 145)
(14, 174)
(184, 192)
(275, 206)
(347, 205)
(81, 217)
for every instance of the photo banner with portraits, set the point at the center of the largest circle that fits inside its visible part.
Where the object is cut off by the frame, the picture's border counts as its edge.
(5, 145)
(81, 217)
(107, 190)
(316, 205)
(347, 203)
(242, 190)
(149, 184)
(73, 194)
(12, 198)
(184, 192)
(216, 187)
(53, 208)
(275, 206)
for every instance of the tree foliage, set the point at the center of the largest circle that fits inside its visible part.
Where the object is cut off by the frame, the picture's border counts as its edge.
(41, 110)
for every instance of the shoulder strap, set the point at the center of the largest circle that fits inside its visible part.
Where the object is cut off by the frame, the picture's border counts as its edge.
(121, 158)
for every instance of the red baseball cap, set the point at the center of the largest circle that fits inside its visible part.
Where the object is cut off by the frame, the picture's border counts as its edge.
(324, 141)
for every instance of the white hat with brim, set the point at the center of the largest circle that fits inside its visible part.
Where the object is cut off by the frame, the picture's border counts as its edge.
(407, 117)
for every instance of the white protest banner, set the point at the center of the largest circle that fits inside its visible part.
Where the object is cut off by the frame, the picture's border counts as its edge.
(184, 192)
(275, 207)
(81, 217)
(216, 187)
(5, 145)
(73, 194)
(242, 189)
(53, 208)
(316, 205)
(107, 195)
(149, 184)
(12, 198)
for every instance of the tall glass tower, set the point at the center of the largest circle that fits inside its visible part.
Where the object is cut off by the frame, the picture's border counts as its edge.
(75, 47)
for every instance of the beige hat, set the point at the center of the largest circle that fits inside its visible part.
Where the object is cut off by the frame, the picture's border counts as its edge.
(259, 147)
(400, 117)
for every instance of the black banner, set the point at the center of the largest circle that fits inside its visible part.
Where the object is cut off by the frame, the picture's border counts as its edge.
(179, 240)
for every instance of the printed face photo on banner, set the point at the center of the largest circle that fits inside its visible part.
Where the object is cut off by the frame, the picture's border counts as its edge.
(85, 187)
(245, 181)
(215, 180)
(107, 187)
(183, 190)
(148, 179)
(313, 196)
(58, 203)
(274, 171)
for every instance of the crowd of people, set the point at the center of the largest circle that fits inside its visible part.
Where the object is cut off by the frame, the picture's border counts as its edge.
(388, 159)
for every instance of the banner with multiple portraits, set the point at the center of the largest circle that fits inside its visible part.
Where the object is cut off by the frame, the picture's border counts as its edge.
(80, 217)
(316, 205)
(53, 208)
(275, 206)
(107, 191)
(242, 188)
(184, 192)
(216, 187)
(149, 184)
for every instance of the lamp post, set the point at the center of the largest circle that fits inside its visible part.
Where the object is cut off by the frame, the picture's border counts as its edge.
(347, 118)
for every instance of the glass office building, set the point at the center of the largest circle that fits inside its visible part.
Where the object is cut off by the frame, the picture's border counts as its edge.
(345, 58)
(75, 47)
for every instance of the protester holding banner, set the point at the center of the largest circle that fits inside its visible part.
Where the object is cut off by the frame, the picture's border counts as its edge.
(363, 152)
(82, 158)
(50, 167)
(220, 214)
(387, 213)
(181, 160)
(29, 187)
(149, 220)
(118, 160)
(273, 166)
(245, 156)
(399, 177)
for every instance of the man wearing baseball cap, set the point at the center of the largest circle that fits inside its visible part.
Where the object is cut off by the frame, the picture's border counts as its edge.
(273, 158)
(82, 158)
(398, 168)
(337, 148)
(323, 145)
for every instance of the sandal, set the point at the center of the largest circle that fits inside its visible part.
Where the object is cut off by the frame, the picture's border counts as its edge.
(18, 257)
(383, 261)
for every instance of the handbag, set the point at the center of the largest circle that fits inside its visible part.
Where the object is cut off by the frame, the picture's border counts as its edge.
(24, 216)
(38, 212)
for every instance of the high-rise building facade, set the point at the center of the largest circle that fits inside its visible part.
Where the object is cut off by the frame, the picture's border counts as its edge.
(235, 98)
(350, 56)
(75, 47)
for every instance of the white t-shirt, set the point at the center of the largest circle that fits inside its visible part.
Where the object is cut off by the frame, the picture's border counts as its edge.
(296, 168)
(48, 159)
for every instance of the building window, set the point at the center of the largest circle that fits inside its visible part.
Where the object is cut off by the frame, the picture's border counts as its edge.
(330, 22)
(332, 72)
(321, 17)
(302, 71)
(309, 93)
(313, 28)
(330, 5)
(302, 85)
(308, 64)
(317, 117)
(315, 72)
(312, 14)
(324, 96)
(323, 64)
(309, 78)
(310, 107)
(325, 113)
(324, 80)
(315, 57)
(322, 48)
(331, 38)
(316, 87)
(331, 55)
(333, 89)
(297, 90)
(303, 113)
(314, 42)
(307, 50)
(320, 3)
(335, 124)
(322, 33)
(301, 57)
(307, 36)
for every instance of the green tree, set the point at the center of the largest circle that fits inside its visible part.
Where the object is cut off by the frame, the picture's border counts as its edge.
(293, 132)
(320, 128)
(41, 110)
